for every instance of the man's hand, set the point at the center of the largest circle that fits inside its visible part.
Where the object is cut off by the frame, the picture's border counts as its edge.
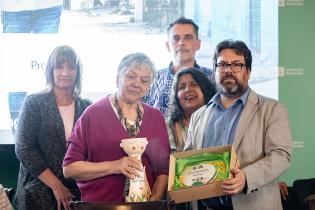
(236, 184)
(283, 190)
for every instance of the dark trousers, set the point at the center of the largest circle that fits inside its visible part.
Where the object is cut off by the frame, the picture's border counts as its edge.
(202, 207)
(299, 191)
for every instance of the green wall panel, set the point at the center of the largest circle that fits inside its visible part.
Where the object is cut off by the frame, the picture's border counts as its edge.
(297, 83)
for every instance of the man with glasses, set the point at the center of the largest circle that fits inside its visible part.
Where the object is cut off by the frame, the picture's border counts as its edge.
(183, 42)
(256, 126)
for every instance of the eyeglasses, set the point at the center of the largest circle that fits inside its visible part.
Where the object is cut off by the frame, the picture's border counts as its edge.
(235, 67)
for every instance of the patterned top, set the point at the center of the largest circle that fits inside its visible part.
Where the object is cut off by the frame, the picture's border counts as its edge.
(158, 95)
(171, 134)
(41, 144)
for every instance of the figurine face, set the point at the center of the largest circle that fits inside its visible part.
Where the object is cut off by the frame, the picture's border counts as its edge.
(134, 146)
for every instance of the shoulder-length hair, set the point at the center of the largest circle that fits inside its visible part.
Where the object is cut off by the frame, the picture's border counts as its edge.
(176, 112)
(59, 56)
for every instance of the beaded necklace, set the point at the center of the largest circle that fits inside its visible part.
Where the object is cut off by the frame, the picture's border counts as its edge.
(134, 129)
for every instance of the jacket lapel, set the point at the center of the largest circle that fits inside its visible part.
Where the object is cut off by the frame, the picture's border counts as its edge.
(248, 113)
(55, 117)
(203, 124)
(78, 109)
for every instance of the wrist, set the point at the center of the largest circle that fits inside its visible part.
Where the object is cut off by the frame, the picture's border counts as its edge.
(110, 167)
(54, 184)
(49, 179)
(156, 197)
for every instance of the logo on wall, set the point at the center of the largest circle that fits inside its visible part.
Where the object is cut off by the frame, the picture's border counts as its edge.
(282, 71)
(283, 3)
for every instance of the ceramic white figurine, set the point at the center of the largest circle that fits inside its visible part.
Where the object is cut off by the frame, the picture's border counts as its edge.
(139, 190)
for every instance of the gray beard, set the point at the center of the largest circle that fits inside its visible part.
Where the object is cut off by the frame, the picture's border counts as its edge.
(233, 92)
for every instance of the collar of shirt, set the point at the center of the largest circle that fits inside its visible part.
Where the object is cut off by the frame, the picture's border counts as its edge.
(170, 67)
(215, 101)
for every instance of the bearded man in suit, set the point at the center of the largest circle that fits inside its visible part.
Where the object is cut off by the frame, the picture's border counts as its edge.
(256, 126)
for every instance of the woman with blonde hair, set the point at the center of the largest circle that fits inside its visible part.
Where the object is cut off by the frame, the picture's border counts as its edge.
(45, 123)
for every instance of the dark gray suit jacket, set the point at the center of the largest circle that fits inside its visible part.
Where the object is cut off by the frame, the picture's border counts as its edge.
(41, 144)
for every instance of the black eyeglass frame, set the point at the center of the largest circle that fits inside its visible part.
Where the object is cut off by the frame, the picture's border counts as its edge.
(235, 67)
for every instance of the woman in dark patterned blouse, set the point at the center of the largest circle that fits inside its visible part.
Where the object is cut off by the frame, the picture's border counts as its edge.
(45, 123)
